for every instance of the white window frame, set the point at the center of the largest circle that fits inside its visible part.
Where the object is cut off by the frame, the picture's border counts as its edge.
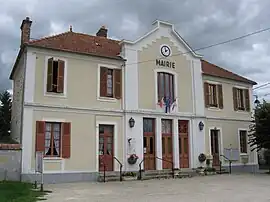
(51, 94)
(239, 143)
(175, 75)
(244, 88)
(215, 83)
(55, 121)
(106, 99)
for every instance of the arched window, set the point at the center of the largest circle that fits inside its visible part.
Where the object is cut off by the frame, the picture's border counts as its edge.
(165, 85)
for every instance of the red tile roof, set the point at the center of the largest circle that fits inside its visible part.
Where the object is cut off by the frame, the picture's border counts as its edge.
(105, 47)
(214, 70)
(80, 43)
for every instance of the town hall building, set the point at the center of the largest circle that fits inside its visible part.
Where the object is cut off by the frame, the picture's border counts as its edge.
(87, 101)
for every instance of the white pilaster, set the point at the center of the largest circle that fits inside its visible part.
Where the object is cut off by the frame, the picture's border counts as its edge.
(158, 144)
(27, 140)
(198, 139)
(135, 145)
(197, 83)
(175, 144)
(131, 78)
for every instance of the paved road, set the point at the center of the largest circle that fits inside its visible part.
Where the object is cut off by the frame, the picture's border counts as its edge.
(218, 188)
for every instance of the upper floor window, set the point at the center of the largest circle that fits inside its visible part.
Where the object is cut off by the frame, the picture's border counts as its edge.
(110, 83)
(165, 85)
(241, 99)
(55, 76)
(243, 141)
(213, 95)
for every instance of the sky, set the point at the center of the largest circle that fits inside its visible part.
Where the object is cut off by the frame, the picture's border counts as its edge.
(199, 22)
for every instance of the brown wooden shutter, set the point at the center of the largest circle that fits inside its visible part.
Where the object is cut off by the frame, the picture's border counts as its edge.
(66, 127)
(206, 94)
(60, 77)
(50, 75)
(40, 136)
(220, 96)
(247, 101)
(235, 98)
(103, 82)
(117, 83)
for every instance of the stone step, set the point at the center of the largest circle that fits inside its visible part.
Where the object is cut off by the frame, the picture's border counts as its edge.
(108, 178)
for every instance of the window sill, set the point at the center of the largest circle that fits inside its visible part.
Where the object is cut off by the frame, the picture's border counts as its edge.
(53, 158)
(243, 154)
(107, 99)
(214, 109)
(242, 111)
(58, 95)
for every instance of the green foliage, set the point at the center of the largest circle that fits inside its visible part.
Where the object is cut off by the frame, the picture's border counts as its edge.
(5, 115)
(259, 136)
(18, 192)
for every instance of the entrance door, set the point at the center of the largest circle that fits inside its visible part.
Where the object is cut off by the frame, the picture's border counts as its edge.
(149, 144)
(215, 147)
(183, 144)
(106, 147)
(167, 144)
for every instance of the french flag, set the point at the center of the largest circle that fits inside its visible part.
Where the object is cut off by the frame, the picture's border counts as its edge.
(174, 104)
(161, 102)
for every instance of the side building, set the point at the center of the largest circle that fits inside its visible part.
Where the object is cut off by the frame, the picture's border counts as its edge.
(85, 101)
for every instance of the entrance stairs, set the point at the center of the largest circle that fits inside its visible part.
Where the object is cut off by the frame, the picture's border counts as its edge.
(149, 174)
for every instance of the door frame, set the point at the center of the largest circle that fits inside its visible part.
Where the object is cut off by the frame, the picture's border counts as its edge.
(154, 132)
(189, 142)
(115, 141)
(220, 142)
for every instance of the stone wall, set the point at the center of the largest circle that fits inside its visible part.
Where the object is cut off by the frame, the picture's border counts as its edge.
(10, 162)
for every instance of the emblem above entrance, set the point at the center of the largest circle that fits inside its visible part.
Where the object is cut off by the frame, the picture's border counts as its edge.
(165, 50)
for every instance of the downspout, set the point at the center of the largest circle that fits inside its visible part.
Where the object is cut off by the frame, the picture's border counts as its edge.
(124, 113)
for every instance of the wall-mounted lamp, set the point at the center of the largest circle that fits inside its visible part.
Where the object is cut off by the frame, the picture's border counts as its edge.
(201, 125)
(131, 122)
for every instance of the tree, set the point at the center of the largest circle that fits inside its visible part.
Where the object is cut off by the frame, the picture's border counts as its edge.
(259, 136)
(5, 115)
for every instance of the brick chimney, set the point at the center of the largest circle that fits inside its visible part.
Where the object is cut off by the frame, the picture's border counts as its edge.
(25, 30)
(102, 32)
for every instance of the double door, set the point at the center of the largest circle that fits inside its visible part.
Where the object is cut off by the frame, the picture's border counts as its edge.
(167, 144)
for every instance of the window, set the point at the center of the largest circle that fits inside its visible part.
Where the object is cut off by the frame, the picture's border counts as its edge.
(241, 99)
(110, 83)
(166, 126)
(243, 141)
(148, 125)
(55, 76)
(213, 95)
(165, 85)
(53, 139)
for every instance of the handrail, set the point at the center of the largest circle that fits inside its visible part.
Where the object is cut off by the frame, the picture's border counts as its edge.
(140, 169)
(230, 163)
(121, 166)
(168, 162)
(140, 166)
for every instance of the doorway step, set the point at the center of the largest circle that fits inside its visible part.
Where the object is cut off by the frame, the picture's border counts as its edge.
(166, 174)
(109, 176)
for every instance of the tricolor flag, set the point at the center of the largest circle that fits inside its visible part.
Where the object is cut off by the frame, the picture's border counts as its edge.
(161, 102)
(174, 104)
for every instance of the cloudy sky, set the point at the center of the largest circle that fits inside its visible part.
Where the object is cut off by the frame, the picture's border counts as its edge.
(199, 22)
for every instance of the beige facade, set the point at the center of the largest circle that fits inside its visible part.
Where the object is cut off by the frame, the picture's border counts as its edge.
(229, 138)
(84, 137)
(81, 81)
(228, 110)
(147, 72)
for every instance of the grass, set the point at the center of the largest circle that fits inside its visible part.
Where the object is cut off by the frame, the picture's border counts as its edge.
(18, 192)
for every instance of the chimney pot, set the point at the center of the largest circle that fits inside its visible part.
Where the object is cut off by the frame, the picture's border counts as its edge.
(25, 30)
(102, 32)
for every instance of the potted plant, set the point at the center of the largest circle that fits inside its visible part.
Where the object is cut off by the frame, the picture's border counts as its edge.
(127, 176)
(132, 159)
(210, 171)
